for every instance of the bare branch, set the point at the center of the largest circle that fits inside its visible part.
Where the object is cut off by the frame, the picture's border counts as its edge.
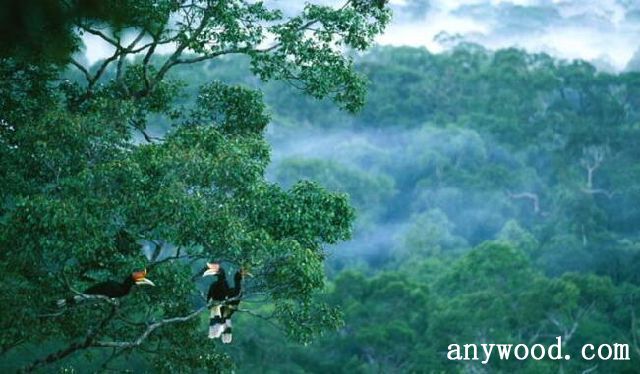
(148, 138)
(598, 191)
(80, 67)
(102, 68)
(123, 55)
(102, 35)
(569, 328)
(592, 159)
(151, 328)
(210, 56)
(171, 61)
(90, 339)
(106, 299)
(84, 296)
(145, 62)
(527, 196)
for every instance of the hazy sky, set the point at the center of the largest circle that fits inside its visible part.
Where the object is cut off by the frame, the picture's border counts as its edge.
(605, 31)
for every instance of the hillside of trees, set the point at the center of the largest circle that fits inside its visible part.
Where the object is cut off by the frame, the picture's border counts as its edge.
(497, 199)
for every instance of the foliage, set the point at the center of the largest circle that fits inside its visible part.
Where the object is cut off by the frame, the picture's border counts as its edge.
(85, 183)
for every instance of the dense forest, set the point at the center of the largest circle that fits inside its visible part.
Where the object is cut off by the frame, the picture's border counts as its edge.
(496, 196)
(389, 201)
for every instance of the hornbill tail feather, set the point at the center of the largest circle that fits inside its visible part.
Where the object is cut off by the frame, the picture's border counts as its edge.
(216, 322)
(226, 335)
(215, 331)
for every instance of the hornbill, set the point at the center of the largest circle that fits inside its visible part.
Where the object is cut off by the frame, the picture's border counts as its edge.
(235, 294)
(218, 291)
(111, 288)
(220, 317)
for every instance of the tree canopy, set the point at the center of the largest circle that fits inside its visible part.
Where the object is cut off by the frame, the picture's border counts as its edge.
(88, 194)
(508, 211)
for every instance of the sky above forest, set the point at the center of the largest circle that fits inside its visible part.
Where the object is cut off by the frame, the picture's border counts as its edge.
(602, 31)
(605, 32)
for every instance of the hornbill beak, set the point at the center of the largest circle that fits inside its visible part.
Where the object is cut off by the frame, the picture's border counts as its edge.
(145, 281)
(212, 269)
(140, 278)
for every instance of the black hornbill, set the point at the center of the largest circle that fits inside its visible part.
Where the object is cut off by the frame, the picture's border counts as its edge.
(220, 317)
(218, 291)
(112, 288)
(234, 294)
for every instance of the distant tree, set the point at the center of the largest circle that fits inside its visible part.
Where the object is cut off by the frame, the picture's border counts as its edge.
(429, 235)
(367, 191)
(519, 237)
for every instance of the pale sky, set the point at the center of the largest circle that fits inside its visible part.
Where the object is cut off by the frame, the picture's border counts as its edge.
(604, 30)
(608, 30)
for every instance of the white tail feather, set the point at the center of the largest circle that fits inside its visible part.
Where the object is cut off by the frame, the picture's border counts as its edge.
(216, 325)
(226, 338)
(216, 330)
(226, 335)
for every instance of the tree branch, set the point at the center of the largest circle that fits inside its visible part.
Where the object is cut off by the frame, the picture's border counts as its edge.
(598, 191)
(84, 70)
(148, 138)
(260, 316)
(592, 160)
(87, 342)
(101, 69)
(7, 346)
(535, 200)
(170, 62)
(102, 35)
(151, 328)
(124, 54)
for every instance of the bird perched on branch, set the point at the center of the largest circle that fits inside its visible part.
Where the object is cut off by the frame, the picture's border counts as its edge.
(220, 317)
(111, 288)
(218, 291)
(235, 294)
